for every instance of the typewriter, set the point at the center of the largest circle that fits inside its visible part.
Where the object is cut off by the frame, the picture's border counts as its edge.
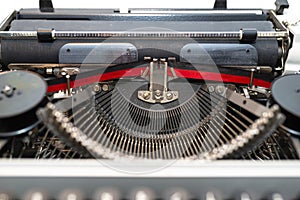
(148, 104)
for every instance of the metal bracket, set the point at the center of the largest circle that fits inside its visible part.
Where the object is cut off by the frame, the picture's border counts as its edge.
(220, 5)
(247, 104)
(158, 90)
(46, 6)
(67, 72)
(281, 5)
(95, 53)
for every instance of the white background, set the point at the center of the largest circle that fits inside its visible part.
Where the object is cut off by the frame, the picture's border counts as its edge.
(7, 6)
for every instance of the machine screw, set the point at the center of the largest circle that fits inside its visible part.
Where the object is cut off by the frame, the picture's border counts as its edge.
(169, 95)
(146, 95)
(97, 88)
(158, 94)
(105, 87)
(211, 89)
(8, 90)
(220, 89)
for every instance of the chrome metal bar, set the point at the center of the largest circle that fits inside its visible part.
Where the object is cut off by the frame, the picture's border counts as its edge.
(140, 34)
(193, 11)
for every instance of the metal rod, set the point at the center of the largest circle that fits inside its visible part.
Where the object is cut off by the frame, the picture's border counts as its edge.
(141, 34)
(13, 66)
(68, 84)
(251, 78)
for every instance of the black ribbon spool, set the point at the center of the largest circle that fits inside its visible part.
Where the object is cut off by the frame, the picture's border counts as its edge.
(21, 94)
(286, 93)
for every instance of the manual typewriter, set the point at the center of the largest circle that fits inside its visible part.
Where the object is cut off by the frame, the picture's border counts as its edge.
(148, 104)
